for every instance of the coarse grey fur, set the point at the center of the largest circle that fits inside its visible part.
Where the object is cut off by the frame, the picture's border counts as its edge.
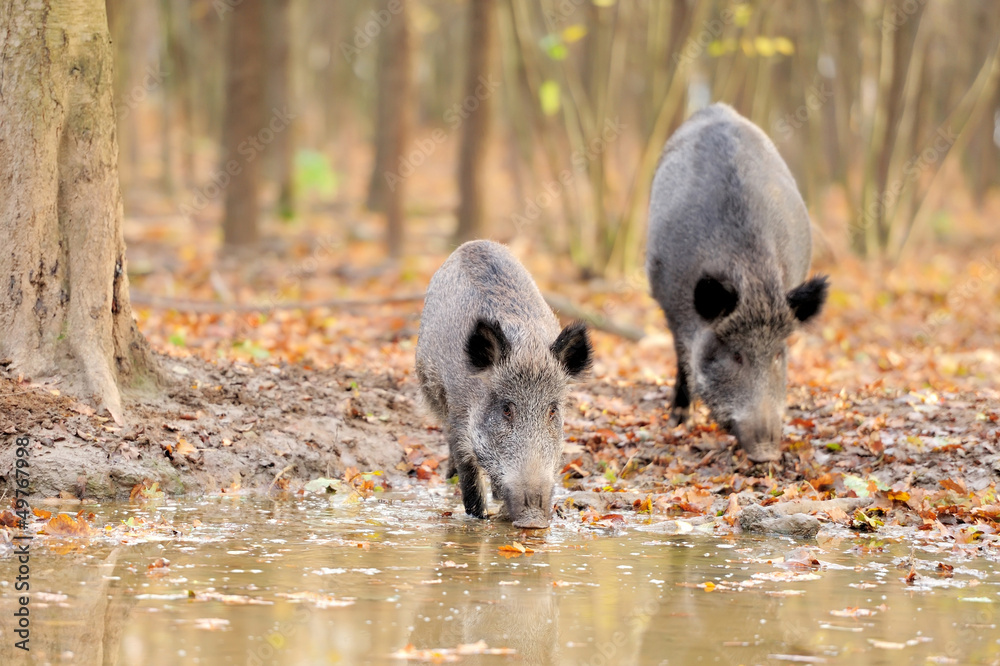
(728, 249)
(494, 367)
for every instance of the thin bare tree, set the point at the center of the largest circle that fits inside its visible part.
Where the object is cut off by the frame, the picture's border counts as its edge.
(244, 119)
(482, 25)
(393, 118)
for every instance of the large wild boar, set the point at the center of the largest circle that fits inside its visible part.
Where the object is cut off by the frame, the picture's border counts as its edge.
(727, 255)
(494, 367)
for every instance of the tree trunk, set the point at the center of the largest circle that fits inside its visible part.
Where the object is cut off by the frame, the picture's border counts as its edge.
(475, 132)
(281, 151)
(66, 311)
(394, 113)
(244, 120)
(177, 84)
(903, 41)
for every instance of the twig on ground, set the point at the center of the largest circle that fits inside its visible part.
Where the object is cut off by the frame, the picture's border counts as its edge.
(565, 307)
(278, 476)
(558, 303)
(206, 307)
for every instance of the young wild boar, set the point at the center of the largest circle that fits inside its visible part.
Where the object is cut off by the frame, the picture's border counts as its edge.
(727, 255)
(494, 367)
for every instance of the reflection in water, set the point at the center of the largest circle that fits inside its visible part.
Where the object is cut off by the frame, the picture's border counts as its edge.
(80, 615)
(499, 607)
(386, 575)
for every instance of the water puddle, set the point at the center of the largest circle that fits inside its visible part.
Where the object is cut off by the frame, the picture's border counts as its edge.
(242, 580)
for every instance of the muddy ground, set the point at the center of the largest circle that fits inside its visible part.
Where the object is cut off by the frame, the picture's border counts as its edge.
(231, 425)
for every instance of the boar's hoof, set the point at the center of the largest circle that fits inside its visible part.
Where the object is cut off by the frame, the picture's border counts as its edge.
(763, 454)
(532, 521)
(679, 416)
(759, 450)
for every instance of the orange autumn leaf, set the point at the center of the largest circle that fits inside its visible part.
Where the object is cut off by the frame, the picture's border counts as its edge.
(732, 509)
(838, 515)
(515, 547)
(957, 486)
(185, 448)
(65, 525)
(9, 519)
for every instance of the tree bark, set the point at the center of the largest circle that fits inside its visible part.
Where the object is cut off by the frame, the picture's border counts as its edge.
(66, 313)
(244, 120)
(475, 132)
(394, 113)
(281, 152)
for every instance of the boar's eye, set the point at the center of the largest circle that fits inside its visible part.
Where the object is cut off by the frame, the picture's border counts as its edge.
(508, 411)
(738, 358)
(553, 411)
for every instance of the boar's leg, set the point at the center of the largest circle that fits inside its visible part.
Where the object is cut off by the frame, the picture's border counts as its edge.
(498, 496)
(462, 461)
(470, 480)
(680, 407)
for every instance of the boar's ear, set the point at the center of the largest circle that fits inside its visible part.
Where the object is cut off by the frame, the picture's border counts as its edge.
(807, 299)
(714, 298)
(572, 349)
(487, 345)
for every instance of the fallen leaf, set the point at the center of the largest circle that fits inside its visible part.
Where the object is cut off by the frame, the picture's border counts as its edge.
(63, 524)
(515, 547)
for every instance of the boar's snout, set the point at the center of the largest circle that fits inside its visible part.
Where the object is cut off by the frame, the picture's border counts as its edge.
(530, 509)
(760, 437)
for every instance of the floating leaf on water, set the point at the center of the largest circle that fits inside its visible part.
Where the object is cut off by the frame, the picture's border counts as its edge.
(65, 525)
(321, 601)
(211, 624)
(785, 576)
(854, 612)
(515, 547)
(324, 485)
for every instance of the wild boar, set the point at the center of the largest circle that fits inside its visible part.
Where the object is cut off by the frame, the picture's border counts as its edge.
(728, 250)
(494, 367)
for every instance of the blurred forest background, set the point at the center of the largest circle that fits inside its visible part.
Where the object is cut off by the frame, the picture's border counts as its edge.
(355, 142)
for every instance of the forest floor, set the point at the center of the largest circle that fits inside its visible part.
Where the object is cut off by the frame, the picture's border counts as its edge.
(891, 394)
